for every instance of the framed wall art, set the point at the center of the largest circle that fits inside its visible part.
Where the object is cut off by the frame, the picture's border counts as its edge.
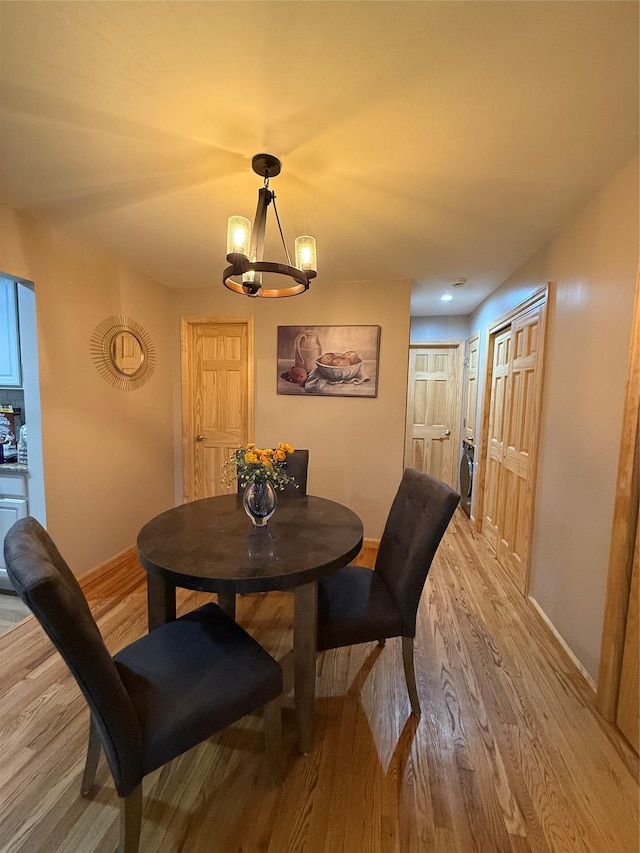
(330, 361)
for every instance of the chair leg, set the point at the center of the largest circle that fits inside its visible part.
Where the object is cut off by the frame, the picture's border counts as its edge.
(410, 674)
(93, 755)
(130, 821)
(272, 713)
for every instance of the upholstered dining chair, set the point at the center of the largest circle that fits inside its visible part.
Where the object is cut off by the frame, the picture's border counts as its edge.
(160, 695)
(297, 467)
(358, 605)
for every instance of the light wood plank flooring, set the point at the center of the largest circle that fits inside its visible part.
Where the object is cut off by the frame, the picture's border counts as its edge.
(12, 611)
(508, 755)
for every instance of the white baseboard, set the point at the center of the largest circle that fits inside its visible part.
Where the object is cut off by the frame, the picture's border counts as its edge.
(573, 660)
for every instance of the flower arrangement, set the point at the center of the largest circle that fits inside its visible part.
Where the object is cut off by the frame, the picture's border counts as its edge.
(250, 464)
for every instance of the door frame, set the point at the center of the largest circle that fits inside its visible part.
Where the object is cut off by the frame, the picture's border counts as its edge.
(186, 324)
(456, 432)
(497, 326)
(625, 520)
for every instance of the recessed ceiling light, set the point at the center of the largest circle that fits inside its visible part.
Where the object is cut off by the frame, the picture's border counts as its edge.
(446, 297)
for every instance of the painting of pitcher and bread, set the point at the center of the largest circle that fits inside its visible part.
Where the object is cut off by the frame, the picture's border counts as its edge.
(337, 361)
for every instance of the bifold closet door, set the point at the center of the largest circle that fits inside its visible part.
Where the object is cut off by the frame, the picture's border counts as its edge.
(495, 446)
(521, 428)
(514, 419)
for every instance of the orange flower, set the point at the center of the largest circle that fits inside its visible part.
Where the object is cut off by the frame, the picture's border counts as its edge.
(251, 464)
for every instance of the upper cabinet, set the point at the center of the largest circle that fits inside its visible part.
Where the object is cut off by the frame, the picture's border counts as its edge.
(9, 342)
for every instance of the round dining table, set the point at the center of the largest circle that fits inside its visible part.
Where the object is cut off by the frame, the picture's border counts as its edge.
(211, 545)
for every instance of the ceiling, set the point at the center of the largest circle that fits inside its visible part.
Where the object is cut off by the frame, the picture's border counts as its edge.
(424, 140)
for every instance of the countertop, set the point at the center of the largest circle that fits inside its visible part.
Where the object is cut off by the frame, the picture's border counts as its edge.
(13, 468)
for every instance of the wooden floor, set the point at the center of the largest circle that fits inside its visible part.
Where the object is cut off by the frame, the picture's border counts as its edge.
(12, 611)
(508, 755)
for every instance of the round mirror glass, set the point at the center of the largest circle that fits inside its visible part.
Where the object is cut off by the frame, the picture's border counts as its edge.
(127, 353)
(123, 352)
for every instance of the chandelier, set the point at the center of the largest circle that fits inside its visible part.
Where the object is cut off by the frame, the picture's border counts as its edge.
(245, 246)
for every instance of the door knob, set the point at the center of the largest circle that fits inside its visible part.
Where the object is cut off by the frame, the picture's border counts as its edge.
(445, 434)
(199, 438)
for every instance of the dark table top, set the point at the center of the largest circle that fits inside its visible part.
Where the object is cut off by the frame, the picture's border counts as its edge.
(211, 544)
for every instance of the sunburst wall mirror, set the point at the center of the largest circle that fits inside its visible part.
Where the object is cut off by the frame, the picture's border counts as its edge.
(123, 352)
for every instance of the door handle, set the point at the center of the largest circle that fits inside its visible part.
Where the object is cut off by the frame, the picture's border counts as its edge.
(199, 438)
(445, 434)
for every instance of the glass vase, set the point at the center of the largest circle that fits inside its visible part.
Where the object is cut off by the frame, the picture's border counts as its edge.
(260, 502)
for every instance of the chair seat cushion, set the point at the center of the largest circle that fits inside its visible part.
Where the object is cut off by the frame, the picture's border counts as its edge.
(193, 677)
(355, 606)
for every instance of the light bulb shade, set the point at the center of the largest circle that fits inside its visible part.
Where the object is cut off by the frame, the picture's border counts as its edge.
(238, 236)
(306, 258)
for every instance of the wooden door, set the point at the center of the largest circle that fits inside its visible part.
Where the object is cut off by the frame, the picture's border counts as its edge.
(618, 693)
(628, 717)
(434, 402)
(217, 399)
(471, 393)
(520, 425)
(498, 406)
(515, 393)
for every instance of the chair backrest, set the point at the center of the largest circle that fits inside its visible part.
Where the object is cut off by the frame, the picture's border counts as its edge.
(297, 467)
(418, 518)
(48, 587)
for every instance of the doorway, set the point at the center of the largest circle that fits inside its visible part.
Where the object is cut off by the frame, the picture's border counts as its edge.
(513, 396)
(434, 409)
(217, 358)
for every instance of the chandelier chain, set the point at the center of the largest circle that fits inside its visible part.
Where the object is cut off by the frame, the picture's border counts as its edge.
(275, 210)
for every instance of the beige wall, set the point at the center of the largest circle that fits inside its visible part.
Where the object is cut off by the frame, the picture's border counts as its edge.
(356, 445)
(594, 262)
(108, 454)
(452, 328)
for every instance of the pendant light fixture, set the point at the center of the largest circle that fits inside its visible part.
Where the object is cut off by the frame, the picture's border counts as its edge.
(245, 247)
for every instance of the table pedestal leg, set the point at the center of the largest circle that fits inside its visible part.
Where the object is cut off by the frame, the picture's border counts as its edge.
(227, 601)
(305, 631)
(161, 601)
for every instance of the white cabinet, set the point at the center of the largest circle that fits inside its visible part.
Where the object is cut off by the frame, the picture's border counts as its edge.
(9, 339)
(13, 505)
